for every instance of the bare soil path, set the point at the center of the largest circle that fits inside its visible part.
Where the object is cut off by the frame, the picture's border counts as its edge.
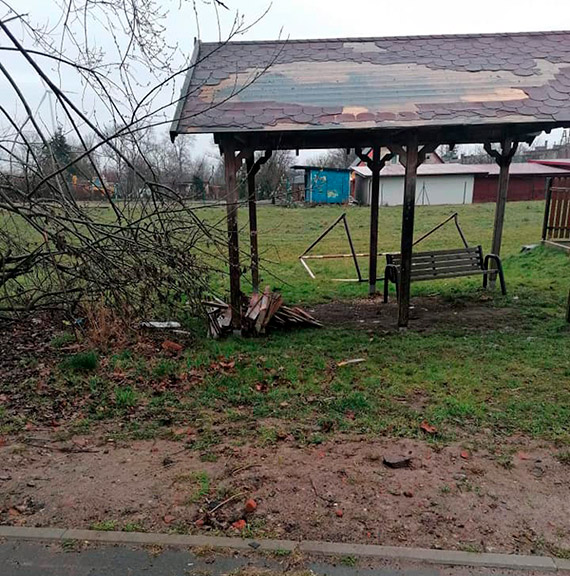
(340, 491)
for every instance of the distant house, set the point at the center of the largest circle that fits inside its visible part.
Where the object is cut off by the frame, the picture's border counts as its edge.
(456, 183)
(431, 158)
(326, 185)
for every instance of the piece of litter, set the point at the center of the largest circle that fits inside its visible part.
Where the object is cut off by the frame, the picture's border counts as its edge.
(161, 325)
(353, 361)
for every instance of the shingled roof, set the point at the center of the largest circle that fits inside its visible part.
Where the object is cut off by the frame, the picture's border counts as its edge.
(377, 83)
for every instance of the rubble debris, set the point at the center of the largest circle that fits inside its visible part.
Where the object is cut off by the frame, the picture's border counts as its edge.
(395, 461)
(239, 524)
(339, 512)
(250, 506)
(428, 428)
(172, 347)
(261, 312)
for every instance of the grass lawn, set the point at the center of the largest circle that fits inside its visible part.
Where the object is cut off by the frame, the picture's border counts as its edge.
(151, 440)
(512, 379)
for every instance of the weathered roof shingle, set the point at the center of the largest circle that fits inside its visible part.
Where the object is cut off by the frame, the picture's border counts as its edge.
(377, 83)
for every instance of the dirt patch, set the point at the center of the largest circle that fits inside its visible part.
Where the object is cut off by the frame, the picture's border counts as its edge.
(426, 313)
(450, 497)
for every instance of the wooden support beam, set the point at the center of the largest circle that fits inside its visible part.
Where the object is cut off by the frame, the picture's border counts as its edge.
(374, 208)
(503, 158)
(375, 164)
(407, 240)
(252, 207)
(232, 200)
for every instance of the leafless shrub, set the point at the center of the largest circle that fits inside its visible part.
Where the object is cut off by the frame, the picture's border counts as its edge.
(141, 247)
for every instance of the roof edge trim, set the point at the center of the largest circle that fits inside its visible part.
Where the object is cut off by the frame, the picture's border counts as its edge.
(397, 37)
(184, 91)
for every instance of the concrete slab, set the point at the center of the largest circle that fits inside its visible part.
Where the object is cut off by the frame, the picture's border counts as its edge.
(562, 564)
(438, 557)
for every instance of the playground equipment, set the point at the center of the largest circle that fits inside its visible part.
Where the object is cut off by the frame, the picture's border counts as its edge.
(354, 255)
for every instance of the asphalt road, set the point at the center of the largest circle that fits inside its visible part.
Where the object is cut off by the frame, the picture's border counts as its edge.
(38, 559)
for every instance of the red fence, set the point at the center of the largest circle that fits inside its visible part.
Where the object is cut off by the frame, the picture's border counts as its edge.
(557, 215)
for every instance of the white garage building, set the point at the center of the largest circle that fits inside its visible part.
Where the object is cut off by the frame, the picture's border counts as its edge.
(437, 184)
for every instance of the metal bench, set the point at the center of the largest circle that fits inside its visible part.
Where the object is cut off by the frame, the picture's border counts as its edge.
(440, 264)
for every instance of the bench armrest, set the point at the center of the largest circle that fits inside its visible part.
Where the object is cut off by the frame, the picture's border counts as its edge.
(499, 266)
(391, 274)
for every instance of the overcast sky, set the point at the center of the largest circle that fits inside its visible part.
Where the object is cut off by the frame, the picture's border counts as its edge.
(335, 18)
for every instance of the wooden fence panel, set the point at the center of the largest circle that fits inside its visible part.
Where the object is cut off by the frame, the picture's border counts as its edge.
(557, 215)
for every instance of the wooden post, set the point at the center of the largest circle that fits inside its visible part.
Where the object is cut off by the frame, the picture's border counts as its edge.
(504, 164)
(252, 206)
(232, 200)
(503, 159)
(547, 208)
(407, 240)
(375, 167)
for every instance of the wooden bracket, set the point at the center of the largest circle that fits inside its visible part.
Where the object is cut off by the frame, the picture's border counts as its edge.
(262, 160)
(506, 155)
(363, 157)
(253, 167)
(422, 154)
(427, 149)
(399, 151)
(370, 161)
(241, 156)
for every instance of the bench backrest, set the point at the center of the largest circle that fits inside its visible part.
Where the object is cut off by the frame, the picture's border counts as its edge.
(448, 263)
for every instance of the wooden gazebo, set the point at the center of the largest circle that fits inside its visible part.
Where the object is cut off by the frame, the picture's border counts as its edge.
(404, 94)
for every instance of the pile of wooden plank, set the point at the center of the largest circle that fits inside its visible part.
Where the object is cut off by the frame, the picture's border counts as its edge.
(260, 313)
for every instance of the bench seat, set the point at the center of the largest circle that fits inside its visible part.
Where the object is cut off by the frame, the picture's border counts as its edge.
(441, 264)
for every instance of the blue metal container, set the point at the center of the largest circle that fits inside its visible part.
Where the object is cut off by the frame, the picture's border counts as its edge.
(326, 185)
